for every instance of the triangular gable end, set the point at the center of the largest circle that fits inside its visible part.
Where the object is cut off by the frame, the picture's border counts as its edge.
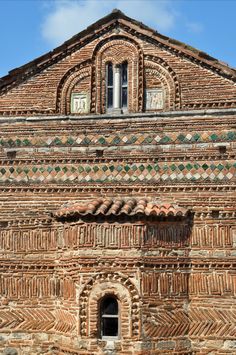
(166, 70)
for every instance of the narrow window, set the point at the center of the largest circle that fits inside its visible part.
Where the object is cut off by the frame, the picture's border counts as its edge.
(109, 317)
(124, 85)
(109, 85)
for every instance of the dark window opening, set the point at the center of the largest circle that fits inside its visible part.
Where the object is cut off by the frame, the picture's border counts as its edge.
(222, 149)
(124, 85)
(11, 154)
(109, 85)
(109, 317)
(99, 153)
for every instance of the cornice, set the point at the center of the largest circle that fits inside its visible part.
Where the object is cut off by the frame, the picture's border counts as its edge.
(102, 188)
(145, 263)
(121, 118)
(122, 157)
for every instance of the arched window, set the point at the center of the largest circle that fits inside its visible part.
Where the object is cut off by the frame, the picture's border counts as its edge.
(109, 85)
(117, 86)
(109, 317)
(124, 85)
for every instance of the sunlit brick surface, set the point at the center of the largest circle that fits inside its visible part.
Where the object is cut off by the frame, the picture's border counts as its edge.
(138, 205)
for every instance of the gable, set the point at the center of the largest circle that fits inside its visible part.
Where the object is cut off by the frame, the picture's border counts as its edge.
(162, 74)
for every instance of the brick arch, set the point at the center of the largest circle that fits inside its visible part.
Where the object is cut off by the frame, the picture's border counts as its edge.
(167, 76)
(73, 75)
(127, 295)
(117, 49)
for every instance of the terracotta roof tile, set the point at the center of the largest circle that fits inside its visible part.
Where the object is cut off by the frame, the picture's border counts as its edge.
(119, 206)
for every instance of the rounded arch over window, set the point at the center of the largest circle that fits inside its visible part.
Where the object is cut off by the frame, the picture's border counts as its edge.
(123, 290)
(117, 49)
(109, 317)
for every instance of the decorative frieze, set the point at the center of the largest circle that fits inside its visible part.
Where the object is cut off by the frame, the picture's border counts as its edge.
(212, 236)
(31, 239)
(115, 236)
(28, 285)
(194, 284)
(117, 172)
(122, 139)
(130, 236)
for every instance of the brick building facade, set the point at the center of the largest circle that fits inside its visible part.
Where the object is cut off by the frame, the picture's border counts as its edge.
(117, 180)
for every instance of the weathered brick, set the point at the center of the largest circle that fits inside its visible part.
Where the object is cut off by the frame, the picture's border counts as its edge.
(150, 199)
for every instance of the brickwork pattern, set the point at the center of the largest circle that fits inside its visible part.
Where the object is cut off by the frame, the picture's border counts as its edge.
(173, 275)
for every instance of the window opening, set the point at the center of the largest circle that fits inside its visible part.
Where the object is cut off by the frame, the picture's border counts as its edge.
(109, 317)
(109, 85)
(117, 86)
(124, 85)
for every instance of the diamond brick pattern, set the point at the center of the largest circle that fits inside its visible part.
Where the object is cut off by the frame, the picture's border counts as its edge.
(122, 139)
(138, 206)
(120, 171)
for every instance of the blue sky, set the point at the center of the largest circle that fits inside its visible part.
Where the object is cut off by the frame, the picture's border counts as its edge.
(30, 28)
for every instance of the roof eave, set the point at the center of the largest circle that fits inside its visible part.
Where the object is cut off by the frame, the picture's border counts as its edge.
(92, 29)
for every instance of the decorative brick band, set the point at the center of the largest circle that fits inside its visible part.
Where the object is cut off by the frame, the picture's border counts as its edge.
(120, 172)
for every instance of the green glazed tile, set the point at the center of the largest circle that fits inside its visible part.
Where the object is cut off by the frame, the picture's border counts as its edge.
(95, 169)
(181, 167)
(57, 141)
(205, 166)
(18, 142)
(116, 140)
(80, 169)
(231, 136)
(181, 137)
(142, 167)
(214, 137)
(189, 166)
(102, 140)
(196, 137)
(70, 141)
(87, 169)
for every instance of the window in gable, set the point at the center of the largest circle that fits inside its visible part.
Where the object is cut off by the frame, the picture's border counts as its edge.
(124, 85)
(109, 85)
(117, 86)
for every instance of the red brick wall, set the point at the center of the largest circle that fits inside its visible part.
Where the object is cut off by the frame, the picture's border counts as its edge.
(199, 85)
(174, 278)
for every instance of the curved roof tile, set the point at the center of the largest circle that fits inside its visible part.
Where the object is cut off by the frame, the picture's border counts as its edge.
(119, 206)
